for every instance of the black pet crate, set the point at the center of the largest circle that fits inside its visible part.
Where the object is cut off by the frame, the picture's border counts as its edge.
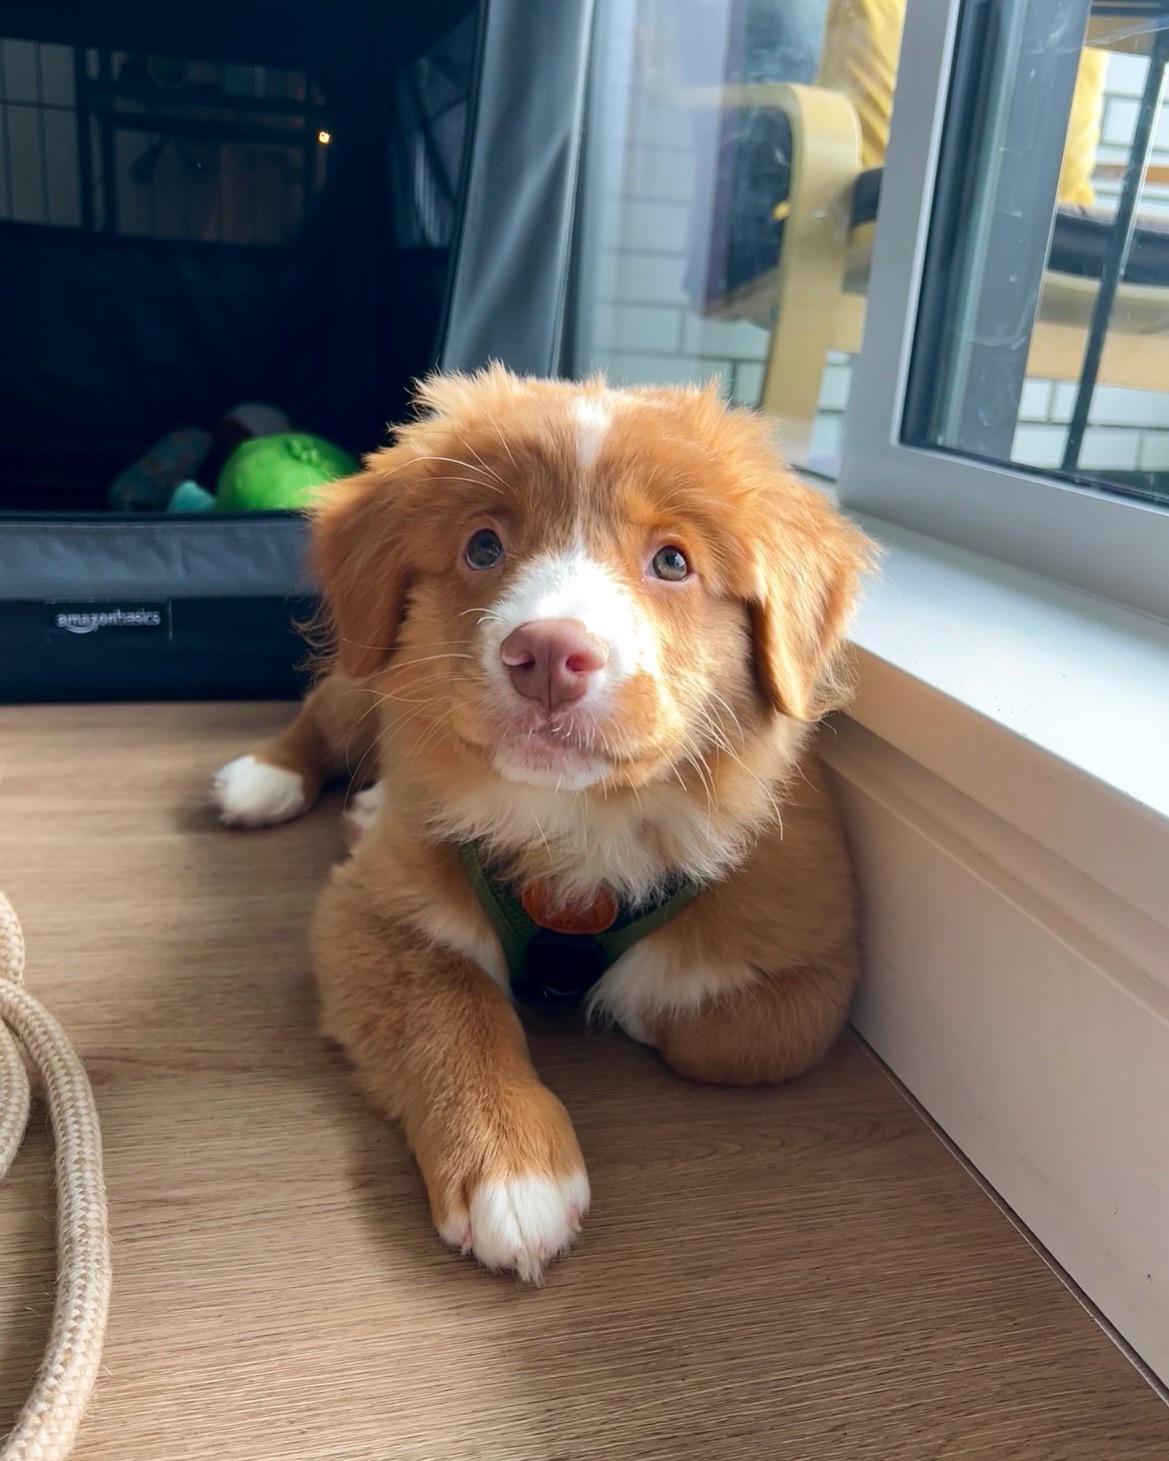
(307, 205)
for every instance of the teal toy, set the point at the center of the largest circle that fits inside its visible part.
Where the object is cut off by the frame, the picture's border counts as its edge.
(279, 473)
(190, 497)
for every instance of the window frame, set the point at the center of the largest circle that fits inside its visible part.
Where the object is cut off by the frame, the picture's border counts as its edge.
(1106, 544)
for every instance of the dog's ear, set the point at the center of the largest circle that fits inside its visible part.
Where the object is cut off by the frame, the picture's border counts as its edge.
(358, 554)
(807, 576)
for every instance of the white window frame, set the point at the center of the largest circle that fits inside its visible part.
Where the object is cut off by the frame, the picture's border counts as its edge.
(1107, 544)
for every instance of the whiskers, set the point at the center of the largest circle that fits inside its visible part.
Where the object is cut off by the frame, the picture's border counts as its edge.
(502, 439)
(718, 736)
(486, 616)
(426, 694)
(483, 465)
(479, 473)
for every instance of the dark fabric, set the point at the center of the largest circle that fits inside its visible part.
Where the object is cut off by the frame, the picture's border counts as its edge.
(345, 36)
(510, 273)
(190, 649)
(111, 343)
(206, 555)
(152, 608)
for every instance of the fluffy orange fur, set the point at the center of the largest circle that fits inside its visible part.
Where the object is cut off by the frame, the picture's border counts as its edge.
(706, 771)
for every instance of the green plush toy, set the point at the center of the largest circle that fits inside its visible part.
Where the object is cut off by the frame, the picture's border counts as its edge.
(279, 473)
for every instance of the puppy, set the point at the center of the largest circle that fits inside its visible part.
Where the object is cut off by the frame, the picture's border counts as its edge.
(582, 635)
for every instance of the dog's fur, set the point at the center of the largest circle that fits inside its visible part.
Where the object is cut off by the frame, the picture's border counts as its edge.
(687, 755)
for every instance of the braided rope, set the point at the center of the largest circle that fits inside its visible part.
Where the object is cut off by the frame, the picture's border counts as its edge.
(47, 1426)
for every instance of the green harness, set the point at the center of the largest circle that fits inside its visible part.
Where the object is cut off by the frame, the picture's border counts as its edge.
(547, 967)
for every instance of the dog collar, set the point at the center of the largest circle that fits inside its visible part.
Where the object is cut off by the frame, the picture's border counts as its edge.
(548, 966)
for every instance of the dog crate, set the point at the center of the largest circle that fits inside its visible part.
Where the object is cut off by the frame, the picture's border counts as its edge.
(220, 219)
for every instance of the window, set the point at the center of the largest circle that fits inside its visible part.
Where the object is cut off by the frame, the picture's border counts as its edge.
(1043, 335)
(977, 189)
(1013, 391)
(732, 176)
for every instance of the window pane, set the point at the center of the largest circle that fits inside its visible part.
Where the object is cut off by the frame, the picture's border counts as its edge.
(1043, 338)
(732, 176)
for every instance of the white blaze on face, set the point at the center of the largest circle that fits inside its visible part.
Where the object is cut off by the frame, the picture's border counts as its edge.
(574, 585)
(570, 584)
(593, 419)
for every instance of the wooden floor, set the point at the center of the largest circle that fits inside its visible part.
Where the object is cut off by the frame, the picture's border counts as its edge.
(799, 1273)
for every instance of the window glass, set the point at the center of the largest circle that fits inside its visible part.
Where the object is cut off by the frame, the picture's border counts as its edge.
(1043, 336)
(732, 176)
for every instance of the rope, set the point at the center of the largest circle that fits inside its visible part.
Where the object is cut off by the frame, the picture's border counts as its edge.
(47, 1426)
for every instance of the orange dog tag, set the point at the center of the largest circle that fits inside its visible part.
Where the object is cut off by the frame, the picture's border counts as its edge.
(595, 917)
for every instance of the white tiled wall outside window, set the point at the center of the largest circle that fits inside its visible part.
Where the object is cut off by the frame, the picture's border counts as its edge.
(643, 327)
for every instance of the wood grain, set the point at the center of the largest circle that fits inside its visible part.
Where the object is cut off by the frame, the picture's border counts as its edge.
(797, 1273)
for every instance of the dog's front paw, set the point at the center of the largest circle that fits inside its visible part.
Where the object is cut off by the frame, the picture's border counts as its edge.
(519, 1224)
(249, 792)
(521, 1204)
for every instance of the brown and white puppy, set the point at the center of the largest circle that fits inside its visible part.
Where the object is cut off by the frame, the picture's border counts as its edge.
(587, 630)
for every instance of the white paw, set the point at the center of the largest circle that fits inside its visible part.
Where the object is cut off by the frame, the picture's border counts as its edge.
(520, 1224)
(362, 810)
(251, 793)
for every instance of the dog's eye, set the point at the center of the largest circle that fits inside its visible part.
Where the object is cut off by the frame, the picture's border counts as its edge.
(670, 563)
(484, 549)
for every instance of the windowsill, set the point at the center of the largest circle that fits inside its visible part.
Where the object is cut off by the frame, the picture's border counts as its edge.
(1048, 706)
(1004, 774)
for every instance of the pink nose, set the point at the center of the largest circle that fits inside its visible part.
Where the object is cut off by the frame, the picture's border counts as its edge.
(552, 660)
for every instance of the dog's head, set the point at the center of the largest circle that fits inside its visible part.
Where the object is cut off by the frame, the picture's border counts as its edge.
(578, 587)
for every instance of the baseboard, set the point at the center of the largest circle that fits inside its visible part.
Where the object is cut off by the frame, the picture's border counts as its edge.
(1027, 1008)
